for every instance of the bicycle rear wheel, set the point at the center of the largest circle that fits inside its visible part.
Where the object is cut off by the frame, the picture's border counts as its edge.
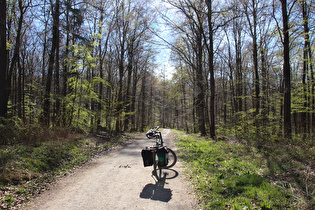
(172, 158)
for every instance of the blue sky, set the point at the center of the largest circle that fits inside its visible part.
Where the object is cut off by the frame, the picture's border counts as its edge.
(163, 57)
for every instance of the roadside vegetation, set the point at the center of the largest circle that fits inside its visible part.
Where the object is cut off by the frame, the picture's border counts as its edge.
(233, 174)
(32, 157)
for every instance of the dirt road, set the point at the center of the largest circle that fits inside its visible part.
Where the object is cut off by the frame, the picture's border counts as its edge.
(118, 180)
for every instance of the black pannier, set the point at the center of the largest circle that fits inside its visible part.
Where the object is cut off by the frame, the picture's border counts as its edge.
(147, 156)
(162, 154)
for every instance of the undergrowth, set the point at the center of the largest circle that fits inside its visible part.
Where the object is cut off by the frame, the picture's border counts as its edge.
(228, 174)
(30, 159)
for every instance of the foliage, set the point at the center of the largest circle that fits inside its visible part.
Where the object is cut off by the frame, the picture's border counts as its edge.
(231, 175)
(14, 131)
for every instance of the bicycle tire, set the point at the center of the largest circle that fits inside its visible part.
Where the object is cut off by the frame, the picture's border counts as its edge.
(172, 158)
(156, 169)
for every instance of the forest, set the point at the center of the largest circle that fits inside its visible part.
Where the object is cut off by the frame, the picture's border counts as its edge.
(234, 78)
(241, 68)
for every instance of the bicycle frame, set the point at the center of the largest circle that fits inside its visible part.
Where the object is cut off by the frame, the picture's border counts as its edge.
(159, 140)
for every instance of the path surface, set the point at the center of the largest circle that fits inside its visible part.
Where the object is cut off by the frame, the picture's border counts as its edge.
(118, 180)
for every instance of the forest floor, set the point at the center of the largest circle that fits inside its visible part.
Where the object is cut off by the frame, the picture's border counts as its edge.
(118, 180)
(235, 174)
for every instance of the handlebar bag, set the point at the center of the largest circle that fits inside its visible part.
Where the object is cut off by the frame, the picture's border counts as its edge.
(147, 156)
(150, 134)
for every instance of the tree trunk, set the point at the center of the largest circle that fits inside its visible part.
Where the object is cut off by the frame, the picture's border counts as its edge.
(238, 100)
(44, 47)
(46, 107)
(57, 80)
(120, 90)
(307, 66)
(200, 102)
(143, 99)
(264, 100)
(16, 53)
(3, 61)
(129, 74)
(255, 56)
(133, 100)
(66, 65)
(211, 69)
(286, 73)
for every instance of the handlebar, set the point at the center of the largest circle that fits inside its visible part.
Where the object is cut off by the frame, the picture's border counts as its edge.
(152, 132)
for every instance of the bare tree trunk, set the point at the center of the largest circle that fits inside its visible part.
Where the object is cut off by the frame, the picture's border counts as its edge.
(286, 73)
(184, 106)
(46, 107)
(200, 102)
(16, 54)
(108, 93)
(239, 75)
(211, 69)
(252, 22)
(133, 99)
(57, 80)
(304, 118)
(143, 99)
(19, 88)
(44, 47)
(66, 65)
(307, 66)
(264, 100)
(120, 90)
(255, 57)
(129, 74)
(3, 61)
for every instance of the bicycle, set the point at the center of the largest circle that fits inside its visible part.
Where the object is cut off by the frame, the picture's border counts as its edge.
(160, 156)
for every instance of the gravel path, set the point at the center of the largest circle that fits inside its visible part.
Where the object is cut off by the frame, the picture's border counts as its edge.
(118, 180)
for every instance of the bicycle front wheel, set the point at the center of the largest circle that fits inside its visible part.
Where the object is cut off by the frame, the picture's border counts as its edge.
(157, 170)
(172, 158)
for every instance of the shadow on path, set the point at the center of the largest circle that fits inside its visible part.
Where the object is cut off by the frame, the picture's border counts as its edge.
(157, 191)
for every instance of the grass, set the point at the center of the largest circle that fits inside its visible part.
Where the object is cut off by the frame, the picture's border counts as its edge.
(28, 166)
(228, 174)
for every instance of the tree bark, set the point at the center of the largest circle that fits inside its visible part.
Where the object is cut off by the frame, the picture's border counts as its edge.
(307, 66)
(46, 107)
(122, 25)
(100, 52)
(16, 53)
(3, 60)
(129, 74)
(287, 127)
(57, 79)
(143, 99)
(133, 99)
(211, 69)
(200, 102)
(66, 64)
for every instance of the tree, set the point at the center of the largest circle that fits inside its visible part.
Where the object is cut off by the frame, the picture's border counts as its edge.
(211, 69)
(307, 70)
(252, 22)
(122, 24)
(55, 44)
(286, 72)
(3, 60)
(193, 29)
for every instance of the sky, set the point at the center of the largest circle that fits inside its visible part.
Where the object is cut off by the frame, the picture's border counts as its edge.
(163, 57)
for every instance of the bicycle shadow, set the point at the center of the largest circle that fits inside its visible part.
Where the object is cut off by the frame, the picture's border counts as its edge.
(157, 191)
